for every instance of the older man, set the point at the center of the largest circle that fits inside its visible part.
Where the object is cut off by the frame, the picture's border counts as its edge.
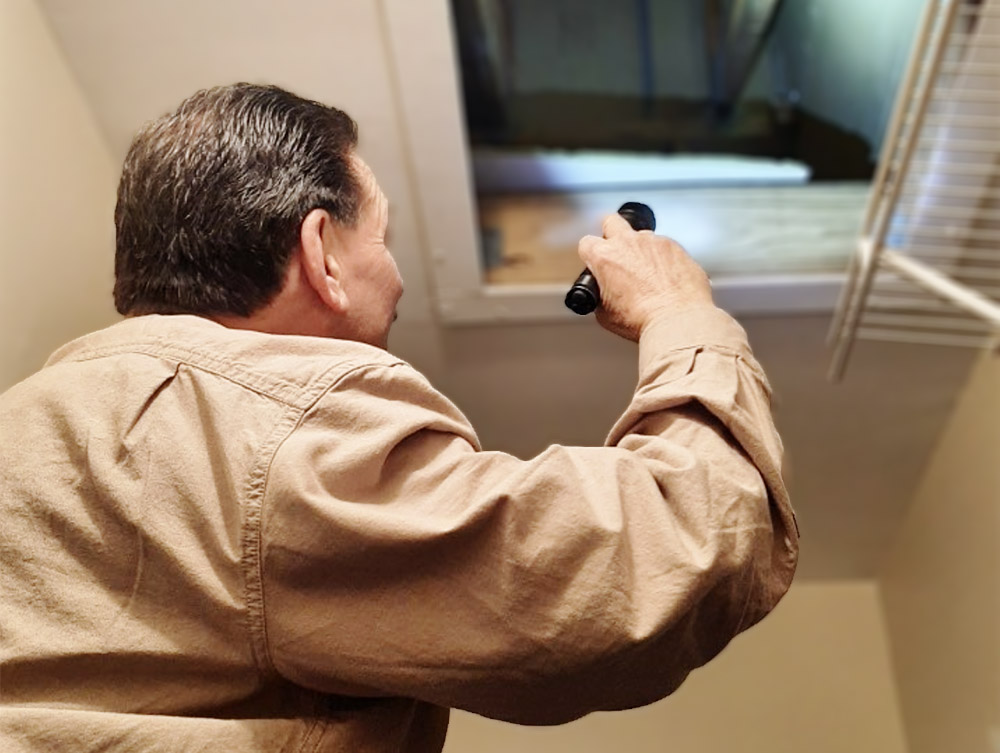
(233, 521)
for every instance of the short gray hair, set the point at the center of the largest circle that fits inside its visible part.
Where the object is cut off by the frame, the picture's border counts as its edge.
(212, 197)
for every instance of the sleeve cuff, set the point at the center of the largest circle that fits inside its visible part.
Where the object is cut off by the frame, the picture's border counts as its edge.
(705, 325)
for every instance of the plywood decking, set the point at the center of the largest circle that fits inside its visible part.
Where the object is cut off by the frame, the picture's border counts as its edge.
(749, 231)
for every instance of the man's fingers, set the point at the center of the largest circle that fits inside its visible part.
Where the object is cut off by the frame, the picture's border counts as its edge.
(615, 224)
(586, 247)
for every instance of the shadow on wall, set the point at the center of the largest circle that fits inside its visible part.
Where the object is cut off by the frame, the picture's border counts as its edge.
(941, 584)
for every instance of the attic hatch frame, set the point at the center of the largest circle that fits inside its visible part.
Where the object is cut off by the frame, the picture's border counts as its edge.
(427, 92)
(925, 270)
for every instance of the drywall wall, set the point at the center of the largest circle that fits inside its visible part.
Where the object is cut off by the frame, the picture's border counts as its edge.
(57, 186)
(941, 583)
(813, 676)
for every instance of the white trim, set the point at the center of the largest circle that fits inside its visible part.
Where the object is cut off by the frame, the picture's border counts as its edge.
(784, 295)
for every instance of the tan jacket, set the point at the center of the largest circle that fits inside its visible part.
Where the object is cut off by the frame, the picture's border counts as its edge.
(219, 540)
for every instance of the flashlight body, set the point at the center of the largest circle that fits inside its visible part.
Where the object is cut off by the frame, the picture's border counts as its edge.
(585, 295)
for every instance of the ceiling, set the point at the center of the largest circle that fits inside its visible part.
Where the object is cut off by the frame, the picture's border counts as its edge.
(856, 451)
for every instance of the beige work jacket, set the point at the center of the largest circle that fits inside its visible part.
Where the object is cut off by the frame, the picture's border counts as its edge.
(221, 540)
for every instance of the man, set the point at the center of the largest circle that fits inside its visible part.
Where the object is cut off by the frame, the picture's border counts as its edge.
(233, 521)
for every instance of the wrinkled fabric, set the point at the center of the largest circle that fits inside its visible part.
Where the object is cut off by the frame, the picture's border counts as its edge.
(216, 539)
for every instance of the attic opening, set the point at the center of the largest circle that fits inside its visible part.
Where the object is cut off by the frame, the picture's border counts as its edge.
(751, 127)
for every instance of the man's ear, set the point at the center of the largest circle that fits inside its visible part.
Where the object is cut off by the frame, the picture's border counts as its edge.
(319, 261)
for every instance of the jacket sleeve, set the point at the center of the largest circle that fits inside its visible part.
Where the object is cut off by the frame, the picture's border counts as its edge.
(400, 560)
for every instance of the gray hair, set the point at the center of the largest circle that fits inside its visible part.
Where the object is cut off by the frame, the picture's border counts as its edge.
(212, 197)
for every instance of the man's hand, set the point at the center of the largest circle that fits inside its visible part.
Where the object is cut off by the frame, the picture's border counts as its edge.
(642, 276)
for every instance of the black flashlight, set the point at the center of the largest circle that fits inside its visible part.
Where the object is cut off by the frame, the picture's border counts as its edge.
(585, 295)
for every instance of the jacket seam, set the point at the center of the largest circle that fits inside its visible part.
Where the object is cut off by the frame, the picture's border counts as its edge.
(299, 396)
(252, 537)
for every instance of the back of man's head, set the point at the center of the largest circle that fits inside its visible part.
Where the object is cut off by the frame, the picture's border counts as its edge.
(212, 196)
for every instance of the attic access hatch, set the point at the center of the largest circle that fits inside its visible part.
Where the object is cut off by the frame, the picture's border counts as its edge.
(739, 168)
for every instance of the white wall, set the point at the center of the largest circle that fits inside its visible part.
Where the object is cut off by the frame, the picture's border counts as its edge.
(813, 676)
(57, 184)
(941, 584)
